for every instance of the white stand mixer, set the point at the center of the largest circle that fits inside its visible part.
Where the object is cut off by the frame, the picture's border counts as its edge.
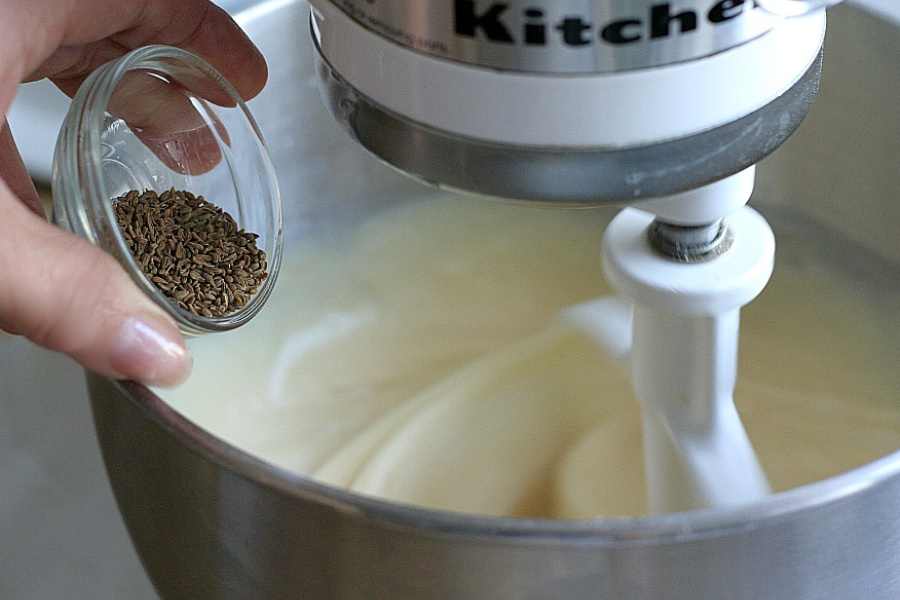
(667, 107)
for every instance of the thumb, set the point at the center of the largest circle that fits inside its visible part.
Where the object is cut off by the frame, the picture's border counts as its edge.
(70, 296)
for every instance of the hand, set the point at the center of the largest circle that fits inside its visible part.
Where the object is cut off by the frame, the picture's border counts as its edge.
(56, 288)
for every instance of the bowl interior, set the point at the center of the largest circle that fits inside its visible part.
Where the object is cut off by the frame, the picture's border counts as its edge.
(335, 186)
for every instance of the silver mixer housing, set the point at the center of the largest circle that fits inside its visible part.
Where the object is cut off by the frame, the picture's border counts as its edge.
(566, 102)
(564, 36)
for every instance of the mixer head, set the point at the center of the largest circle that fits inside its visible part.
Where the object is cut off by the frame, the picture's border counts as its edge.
(591, 102)
(569, 102)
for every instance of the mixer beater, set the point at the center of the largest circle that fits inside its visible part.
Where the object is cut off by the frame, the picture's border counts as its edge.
(665, 106)
(689, 265)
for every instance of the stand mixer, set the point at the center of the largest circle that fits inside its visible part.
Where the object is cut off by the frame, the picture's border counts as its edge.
(665, 107)
(211, 520)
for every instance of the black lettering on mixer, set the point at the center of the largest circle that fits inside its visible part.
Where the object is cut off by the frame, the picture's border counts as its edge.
(493, 22)
(468, 21)
(725, 10)
(661, 20)
(622, 31)
(535, 30)
(574, 31)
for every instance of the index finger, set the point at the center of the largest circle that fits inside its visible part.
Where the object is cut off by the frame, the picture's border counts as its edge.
(77, 36)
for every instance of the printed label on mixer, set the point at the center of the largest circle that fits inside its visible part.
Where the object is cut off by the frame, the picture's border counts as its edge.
(563, 36)
(661, 21)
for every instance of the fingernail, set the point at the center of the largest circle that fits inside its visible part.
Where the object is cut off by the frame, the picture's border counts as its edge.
(150, 350)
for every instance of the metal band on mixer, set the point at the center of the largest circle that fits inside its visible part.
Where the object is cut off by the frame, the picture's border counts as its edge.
(564, 36)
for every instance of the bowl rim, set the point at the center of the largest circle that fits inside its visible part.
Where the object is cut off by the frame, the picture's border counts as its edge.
(668, 528)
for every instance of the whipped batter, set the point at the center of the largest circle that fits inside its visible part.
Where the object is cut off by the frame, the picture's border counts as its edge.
(425, 357)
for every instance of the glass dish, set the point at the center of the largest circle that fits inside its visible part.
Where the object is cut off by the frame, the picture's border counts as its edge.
(160, 118)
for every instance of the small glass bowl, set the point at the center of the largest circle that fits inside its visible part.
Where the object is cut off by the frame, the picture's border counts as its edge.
(155, 119)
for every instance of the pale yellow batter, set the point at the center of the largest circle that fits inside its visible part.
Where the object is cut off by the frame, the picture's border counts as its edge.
(425, 357)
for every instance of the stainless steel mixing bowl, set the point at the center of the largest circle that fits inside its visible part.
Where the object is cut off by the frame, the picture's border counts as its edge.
(210, 521)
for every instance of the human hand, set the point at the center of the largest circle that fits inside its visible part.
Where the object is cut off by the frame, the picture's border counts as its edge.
(57, 289)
